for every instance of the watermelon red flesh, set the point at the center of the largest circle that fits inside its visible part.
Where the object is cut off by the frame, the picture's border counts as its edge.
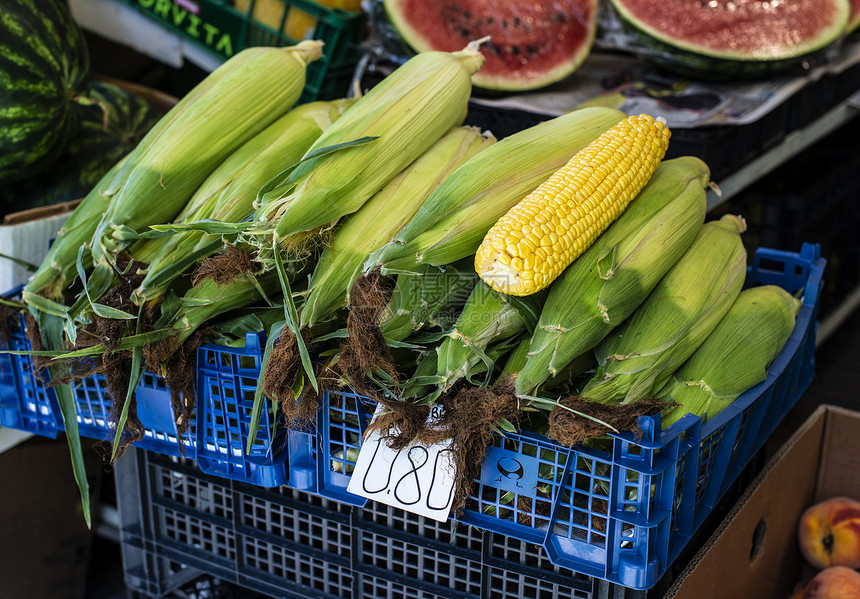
(740, 29)
(532, 44)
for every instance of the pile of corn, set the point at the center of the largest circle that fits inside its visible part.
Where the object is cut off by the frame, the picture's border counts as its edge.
(566, 259)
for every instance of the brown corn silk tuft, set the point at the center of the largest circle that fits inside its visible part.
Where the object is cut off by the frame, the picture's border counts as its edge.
(469, 420)
(225, 266)
(364, 350)
(284, 365)
(570, 429)
(7, 313)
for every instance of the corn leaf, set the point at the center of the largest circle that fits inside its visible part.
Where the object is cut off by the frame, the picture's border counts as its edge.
(259, 396)
(292, 317)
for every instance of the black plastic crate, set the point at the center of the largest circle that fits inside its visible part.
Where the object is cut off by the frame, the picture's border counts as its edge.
(178, 525)
(812, 196)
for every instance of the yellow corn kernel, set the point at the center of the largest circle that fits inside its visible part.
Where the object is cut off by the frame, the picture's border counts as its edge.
(567, 212)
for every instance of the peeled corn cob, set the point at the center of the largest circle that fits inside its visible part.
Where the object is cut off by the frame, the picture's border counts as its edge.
(452, 222)
(639, 357)
(406, 113)
(228, 194)
(735, 356)
(539, 237)
(614, 276)
(239, 99)
(382, 217)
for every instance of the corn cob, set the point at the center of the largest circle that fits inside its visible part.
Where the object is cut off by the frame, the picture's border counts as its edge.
(639, 357)
(55, 274)
(539, 237)
(246, 94)
(382, 217)
(207, 300)
(56, 271)
(228, 194)
(615, 275)
(428, 298)
(452, 222)
(488, 317)
(735, 356)
(406, 113)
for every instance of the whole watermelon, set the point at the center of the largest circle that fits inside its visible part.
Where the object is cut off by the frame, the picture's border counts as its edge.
(44, 70)
(108, 130)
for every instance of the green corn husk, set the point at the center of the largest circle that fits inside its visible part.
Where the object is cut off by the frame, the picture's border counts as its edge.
(430, 298)
(249, 92)
(735, 356)
(614, 276)
(208, 300)
(639, 357)
(228, 194)
(488, 317)
(406, 113)
(382, 217)
(56, 271)
(453, 221)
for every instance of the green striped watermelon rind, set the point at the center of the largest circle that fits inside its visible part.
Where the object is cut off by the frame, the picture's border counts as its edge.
(108, 130)
(693, 61)
(44, 71)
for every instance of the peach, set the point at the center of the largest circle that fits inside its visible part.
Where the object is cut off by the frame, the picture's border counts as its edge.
(836, 582)
(829, 533)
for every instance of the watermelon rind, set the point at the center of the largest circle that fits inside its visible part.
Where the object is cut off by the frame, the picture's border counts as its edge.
(108, 130)
(699, 61)
(44, 71)
(854, 19)
(526, 78)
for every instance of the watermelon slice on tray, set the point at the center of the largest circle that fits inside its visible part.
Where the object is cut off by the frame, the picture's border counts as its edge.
(854, 19)
(532, 44)
(724, 39)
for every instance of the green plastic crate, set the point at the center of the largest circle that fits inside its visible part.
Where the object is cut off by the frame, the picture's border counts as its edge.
(220, 28)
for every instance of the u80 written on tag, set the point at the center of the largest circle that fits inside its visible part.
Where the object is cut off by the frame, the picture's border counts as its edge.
(418, 478)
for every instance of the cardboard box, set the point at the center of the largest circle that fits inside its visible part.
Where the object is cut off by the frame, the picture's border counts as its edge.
(45, 547)
(26, 236)
(754, 554)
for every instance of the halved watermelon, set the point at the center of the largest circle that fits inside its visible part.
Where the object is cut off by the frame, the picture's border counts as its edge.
(532, 44)
(854, 19)
(44, 70)
(734, 38)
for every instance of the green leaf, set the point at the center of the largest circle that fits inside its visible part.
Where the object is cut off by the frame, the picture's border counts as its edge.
(292, 317)
(259, 396)
(213, 227)
(124, 233)
(52, 336)
(134, 379)
(281, 180)
(506, 425)
(108, 312)
(528, 307)
(22, 263)
(46, 306)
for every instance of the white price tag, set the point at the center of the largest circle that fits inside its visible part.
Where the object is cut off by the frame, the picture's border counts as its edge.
(418, 478)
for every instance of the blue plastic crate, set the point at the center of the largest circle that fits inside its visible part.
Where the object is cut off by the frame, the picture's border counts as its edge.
(341, 422)
(26, 403)
(154, 410)
(623, 511)
(226, 384)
